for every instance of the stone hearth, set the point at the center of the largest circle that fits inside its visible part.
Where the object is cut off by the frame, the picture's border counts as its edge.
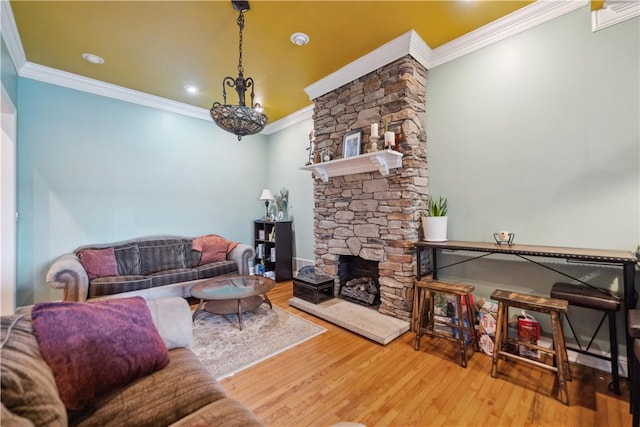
(368, 215)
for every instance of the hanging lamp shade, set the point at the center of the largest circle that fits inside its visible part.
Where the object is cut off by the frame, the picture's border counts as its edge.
(239, 119)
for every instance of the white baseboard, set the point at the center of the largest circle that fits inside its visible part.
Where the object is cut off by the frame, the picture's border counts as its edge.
(592, 362)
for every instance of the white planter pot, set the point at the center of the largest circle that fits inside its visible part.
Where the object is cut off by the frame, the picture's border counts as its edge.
(435, 228)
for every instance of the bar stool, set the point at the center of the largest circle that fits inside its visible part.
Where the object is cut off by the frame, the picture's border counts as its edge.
(553, 307)
(459, 333)
(595, 299)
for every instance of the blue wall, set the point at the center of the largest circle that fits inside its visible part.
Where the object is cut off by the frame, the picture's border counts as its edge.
(93, 169)
(287, 152)
(539, 134)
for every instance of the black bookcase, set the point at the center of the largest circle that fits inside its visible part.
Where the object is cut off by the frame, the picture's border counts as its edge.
(275, 238)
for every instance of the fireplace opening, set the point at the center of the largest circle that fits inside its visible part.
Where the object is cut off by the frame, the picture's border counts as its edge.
(359, 280)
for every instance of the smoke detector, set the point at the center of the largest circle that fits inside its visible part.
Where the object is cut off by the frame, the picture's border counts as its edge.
(299, 39)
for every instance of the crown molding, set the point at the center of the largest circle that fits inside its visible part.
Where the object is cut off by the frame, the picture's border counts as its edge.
(408, 43)
(516, 22)
(11, 35)
(97, 87)
(614, 12)
(302, 114)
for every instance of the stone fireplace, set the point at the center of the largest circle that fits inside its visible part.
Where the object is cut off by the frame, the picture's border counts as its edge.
(368, 215)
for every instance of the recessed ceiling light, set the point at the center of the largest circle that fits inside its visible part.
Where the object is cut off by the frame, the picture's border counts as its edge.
(94, 59)
(192, 89)
(299, 39)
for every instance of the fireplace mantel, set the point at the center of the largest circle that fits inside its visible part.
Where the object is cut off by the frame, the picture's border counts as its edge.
(382, 161)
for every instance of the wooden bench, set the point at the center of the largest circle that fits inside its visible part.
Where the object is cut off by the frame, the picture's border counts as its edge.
(552, 306)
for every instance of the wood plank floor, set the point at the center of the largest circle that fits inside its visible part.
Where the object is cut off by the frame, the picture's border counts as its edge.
(340, 376)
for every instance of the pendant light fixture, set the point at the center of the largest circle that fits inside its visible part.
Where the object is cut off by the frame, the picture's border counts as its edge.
(239, 119)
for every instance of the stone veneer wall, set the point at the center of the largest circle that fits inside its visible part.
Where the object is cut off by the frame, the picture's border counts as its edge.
(369, 215)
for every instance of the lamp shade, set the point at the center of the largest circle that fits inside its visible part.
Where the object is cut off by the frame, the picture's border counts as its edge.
(266, 195)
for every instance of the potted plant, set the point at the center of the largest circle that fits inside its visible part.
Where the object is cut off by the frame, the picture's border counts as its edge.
(434, 220)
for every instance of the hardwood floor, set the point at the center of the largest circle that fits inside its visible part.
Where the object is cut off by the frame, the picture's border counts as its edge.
(341, 376)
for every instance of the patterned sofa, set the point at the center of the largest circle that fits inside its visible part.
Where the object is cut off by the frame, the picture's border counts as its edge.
(151, 267)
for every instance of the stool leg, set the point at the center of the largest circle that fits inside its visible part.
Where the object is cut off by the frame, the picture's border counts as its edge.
(461, 332)
(471, 315)
(558, 340)
(613, 339)
(563, 348)
(499, 332)
(420, 296)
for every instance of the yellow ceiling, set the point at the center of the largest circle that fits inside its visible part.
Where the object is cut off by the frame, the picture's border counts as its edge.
(158, 47)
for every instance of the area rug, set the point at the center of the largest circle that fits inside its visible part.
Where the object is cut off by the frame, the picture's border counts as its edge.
(225, 349)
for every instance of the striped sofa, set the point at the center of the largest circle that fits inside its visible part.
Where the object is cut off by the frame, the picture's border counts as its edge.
(151, 267)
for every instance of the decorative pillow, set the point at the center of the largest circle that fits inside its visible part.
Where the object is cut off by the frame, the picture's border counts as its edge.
(214, 248)
(96, 347)
(161, 255)
(213, 253)
(128, 259)
(28, 386)
(99, 262)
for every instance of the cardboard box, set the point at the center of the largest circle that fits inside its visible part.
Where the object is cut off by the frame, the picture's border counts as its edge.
(487, 314)
(486, 343)
(528, 331)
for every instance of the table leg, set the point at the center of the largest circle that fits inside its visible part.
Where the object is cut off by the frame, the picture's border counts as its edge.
(240, 313)
(198, 310)
(267, 300)
(434, 267)
(630, 299)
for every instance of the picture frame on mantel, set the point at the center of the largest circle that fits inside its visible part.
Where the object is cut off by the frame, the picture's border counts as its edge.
(351, 143)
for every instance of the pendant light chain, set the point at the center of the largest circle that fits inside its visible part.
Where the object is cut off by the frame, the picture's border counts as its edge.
(241, 25)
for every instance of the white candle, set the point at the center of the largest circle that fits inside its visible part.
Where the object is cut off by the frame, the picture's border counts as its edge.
(374, 130)
(389, 139)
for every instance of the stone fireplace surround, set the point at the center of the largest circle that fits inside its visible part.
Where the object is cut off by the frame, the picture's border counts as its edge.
(369, 215)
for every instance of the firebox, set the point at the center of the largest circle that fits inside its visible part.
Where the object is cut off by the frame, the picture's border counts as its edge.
(359, 280)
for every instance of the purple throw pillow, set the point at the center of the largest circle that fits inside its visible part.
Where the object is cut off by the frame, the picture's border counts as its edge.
(95, 347)
(99, 262)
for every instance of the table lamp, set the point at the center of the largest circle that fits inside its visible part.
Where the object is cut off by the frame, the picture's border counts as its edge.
(266, 196)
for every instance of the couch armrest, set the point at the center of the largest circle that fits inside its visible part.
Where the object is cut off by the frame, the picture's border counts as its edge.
(67, 273)
(172, 317)
(242, 254)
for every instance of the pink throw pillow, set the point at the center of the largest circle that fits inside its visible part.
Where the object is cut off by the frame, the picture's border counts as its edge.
(99, 262)
(95, 347)
(214, 248)
(213, 252)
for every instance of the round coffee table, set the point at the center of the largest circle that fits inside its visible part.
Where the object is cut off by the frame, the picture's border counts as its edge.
(232, 294)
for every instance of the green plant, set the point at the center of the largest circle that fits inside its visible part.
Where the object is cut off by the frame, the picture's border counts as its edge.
(438, 208)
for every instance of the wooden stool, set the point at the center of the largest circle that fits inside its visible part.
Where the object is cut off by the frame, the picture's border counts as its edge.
(595, 299)
(429, 287)
(553, 307)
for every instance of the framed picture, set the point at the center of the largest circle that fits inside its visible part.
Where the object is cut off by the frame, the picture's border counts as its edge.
(351, 143)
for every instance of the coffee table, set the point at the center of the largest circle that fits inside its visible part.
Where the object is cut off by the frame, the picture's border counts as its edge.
(232, 294)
